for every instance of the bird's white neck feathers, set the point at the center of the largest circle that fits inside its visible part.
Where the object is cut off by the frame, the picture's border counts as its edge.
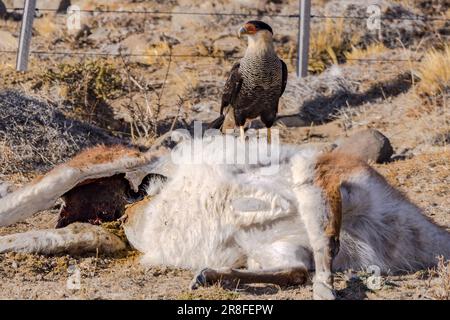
(260, 43)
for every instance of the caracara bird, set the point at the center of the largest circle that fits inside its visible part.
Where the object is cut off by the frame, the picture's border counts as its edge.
(256, 83)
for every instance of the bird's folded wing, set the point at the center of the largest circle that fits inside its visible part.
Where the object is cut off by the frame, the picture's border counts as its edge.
(42, 193)
(232, 87)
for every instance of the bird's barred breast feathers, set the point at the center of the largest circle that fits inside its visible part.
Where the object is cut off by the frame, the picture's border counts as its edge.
(261, 71)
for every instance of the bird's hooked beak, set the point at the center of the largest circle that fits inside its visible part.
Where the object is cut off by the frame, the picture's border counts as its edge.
(248, 29)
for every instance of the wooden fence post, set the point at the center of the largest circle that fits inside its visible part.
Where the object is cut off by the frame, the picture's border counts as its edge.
(303, 37)
(25, 35)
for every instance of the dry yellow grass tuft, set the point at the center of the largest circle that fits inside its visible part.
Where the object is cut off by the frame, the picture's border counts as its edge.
(434, 72)
(5, 66)
(366, 53)
(96, 4)
(155, 51)
(329, 43)
(442, 272)
(406, 3)
(45, 26)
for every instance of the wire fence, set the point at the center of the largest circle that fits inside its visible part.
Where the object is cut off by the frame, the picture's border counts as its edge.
(240, 14)
(214, 56)
(123, 54)
(167, 55)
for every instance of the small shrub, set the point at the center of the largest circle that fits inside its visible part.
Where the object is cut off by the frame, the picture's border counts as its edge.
(87, 82)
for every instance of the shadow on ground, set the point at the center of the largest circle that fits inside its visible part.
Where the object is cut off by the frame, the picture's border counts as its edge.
(324, 108)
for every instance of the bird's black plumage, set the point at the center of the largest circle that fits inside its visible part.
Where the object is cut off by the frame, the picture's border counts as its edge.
(284, 76)
(261, 25)
(232, 87)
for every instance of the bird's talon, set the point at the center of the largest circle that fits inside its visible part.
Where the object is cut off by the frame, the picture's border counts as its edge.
(123, 218)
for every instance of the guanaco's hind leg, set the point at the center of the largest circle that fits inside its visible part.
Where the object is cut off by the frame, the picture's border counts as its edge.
(282, 276)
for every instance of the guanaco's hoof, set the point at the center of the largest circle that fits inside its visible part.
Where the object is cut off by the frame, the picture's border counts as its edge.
(200, 279)
(322, 291)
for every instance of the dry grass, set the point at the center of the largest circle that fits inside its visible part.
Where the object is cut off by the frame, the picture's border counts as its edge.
(424, 177)
(141, 110)
(442, 272)
(45, 26)
(31, 264)
(186, 81)
(37, 136)
(349, 117)
(7, 67)
(435, 166)
(90, 80)
(328, 44)
(155, 51)
(6, 152)
(406, 3)
(365, 53)
(88, 86)
(434, 72)
(215, 292)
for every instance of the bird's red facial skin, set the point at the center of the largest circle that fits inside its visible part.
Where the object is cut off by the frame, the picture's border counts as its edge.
(250, 28)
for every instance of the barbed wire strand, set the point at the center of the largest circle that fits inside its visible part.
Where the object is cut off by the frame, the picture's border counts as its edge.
(148, 12)
(107, 11)
(106, 54)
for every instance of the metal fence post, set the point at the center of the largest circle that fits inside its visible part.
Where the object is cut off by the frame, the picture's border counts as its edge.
(303, 37)
(25, 35)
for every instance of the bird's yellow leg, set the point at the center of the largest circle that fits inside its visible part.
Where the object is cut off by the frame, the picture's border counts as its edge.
(241, 130)
(269, 136)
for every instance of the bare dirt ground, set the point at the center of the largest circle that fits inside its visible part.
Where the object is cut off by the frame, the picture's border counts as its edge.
(389, 97)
